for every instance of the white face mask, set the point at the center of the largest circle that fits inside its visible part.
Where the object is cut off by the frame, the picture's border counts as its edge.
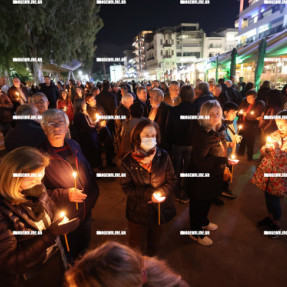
(148, 143)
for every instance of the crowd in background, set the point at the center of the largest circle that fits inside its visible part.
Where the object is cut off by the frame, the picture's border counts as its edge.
(139, 128)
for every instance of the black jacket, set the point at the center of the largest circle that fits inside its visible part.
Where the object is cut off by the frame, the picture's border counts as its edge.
(201, 100)
(107, 101)
(161, 119)
(251, 120)
(179, 130)
(26, 133)
(52, 94)
(146, 106)
(234, 96)
(207, 157)
(262, 92)
(139, 185)
(223, 98)
(58, 179)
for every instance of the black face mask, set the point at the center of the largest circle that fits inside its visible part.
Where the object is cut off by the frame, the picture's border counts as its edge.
(34, 192)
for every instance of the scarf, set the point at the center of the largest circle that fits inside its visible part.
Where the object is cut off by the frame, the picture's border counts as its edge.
(143, 158)
(33, 206)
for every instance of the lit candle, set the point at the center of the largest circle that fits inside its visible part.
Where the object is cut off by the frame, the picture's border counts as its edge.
(75, 178)
(97, 117)
(160, 198)
(234, 159)
(64, 221)
(269, 142)
(65, 109)
(241, 112)
(18, 95)
(252, 113)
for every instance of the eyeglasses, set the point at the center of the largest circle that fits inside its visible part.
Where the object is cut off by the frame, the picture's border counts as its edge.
(55, 125)
(39, 102)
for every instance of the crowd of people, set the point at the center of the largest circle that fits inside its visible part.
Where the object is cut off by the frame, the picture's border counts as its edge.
(173, 142)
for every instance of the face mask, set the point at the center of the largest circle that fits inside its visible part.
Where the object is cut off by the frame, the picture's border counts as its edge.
(148, 143)
(34, 192)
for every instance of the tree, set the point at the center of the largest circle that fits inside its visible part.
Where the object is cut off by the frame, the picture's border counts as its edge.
(56, 31)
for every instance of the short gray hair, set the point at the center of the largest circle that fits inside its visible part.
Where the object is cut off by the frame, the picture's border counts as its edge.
(26, 109)
(39, 94)
(127, 96)
(159, 93)
(203, 86)
(51, 114)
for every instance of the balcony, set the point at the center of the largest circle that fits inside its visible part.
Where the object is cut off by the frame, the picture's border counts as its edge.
(167, 56)
(167, 44)
(150, 48)
(150, 58)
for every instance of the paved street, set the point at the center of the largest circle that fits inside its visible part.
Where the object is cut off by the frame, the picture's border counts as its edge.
(240, 256)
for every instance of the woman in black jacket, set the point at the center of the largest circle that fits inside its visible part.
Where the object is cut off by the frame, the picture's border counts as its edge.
(249, 111)
(209, 157)
(29, 228)
(87, 134)
(148, 170)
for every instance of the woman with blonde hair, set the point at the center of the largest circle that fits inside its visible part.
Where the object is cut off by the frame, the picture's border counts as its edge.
(116, 265)
(29, 233)
(209, 157)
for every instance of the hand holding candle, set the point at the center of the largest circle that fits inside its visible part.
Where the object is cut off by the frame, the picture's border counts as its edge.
(233, 160)
(75, 177)
(158, 197)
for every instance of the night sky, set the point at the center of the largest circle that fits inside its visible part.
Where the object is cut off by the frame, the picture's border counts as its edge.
(123, 22)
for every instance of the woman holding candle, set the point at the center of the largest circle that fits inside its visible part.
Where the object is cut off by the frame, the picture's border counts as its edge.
(30, 259)
(65, 104)
(66, 157)
(87, 134)
(209, 156)
(148, 170)
(274, 161)
(252, 108)
(272, 108)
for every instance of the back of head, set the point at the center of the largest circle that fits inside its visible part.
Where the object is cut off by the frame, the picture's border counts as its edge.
(136, 110)
(106, 85)
(110, 265)
(266, 84)
(186, 93)
(203, 87)
(274, 98)
(26, 110)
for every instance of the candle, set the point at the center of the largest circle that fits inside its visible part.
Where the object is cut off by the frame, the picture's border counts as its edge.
(252, 113)
(269, 142)
(160, 198)
(97, 117)
(75, 178)
(241, 112)
(18, 95)
(65, 109)
(65, 220)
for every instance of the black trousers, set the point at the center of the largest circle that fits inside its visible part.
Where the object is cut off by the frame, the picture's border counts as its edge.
(273, 205)
(198, 211)
(249, 134)
(78, 240)
(144, 238)
(107, 140)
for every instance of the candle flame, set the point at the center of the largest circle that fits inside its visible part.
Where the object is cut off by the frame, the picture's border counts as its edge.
(240, 127)
(252, 113)
(74, 174)
(63, 214)
(159, 196)
(232, 156)
(17, 94)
